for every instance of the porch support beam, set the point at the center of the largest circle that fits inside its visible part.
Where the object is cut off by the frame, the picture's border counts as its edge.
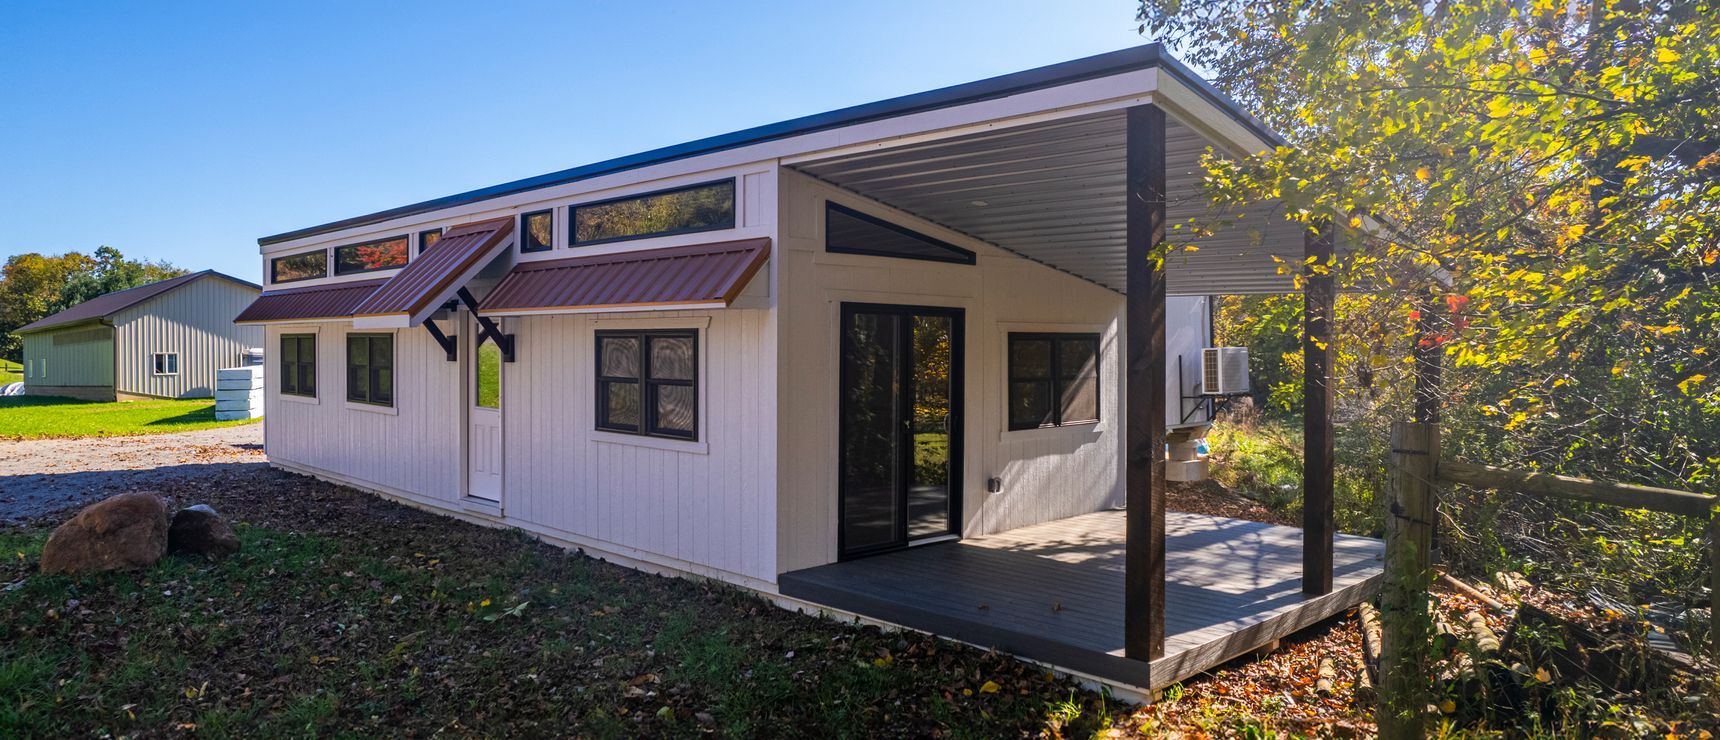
(1318, 458)
(1144, 388)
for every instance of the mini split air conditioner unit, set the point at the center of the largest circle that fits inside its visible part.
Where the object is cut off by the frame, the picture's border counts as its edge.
(1224, 371)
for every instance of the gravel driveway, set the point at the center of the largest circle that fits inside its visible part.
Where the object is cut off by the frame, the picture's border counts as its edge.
(40, 476)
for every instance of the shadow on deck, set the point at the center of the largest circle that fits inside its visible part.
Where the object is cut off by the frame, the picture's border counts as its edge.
(1053, 592)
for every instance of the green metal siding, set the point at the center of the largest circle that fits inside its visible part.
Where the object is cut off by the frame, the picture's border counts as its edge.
(82, 355)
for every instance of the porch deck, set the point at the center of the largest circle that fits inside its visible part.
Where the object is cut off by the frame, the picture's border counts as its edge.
(1053, 592)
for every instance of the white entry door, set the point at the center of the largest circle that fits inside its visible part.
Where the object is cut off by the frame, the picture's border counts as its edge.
(484, 412)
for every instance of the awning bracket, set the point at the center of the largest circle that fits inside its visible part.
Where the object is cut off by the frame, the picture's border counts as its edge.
(447, 343)
(488, 328)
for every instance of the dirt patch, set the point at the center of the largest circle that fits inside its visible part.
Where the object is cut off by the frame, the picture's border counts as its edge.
(1211, 498)
(40, 476)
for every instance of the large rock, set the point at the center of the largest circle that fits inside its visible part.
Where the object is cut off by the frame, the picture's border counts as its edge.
(126, 531)
(198, 530)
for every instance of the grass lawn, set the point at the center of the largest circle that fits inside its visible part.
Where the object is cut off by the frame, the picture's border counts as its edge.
(10, 372)
(34, 417)
(348, 615)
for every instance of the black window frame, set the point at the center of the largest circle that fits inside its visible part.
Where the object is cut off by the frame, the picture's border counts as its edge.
(275, 267)
(1056, 380)
(291, 372)
(525, 233)
(370, 369)
(734, 213)
(647, 426)
(334, 255)
(959, 256)
(427, 232)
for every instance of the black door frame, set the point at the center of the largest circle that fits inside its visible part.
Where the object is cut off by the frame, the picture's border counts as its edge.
(958, 371)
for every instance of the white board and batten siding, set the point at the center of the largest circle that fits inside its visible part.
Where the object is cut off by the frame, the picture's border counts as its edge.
(706, 507)
(195, 321)
(411, 450)
(1045, 474)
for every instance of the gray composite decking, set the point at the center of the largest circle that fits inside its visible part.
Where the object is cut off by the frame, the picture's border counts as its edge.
(1053, 592)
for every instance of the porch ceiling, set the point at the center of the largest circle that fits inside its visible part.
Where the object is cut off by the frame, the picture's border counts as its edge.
(1053, 192)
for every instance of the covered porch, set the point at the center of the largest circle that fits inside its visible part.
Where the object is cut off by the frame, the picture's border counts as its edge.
(1054, 592)
(1099, 175)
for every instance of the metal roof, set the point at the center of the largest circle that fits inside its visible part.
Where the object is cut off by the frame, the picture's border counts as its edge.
(698, 275)
(316, 302)
(103, 306)
(1094, 67)
(436, 274)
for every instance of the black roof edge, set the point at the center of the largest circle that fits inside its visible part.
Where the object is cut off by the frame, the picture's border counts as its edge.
(1103, 65)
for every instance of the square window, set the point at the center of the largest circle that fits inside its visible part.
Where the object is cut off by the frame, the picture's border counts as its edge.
(647, 383)
(1053, 380)
(428, 238)
(537, 231)
(164, 363)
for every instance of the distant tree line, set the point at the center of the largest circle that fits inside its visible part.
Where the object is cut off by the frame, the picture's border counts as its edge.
(35, 285)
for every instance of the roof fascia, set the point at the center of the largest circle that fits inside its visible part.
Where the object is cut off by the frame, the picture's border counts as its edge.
(1104, 65)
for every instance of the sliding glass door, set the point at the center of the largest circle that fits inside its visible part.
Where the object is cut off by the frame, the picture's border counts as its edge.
(900, 452)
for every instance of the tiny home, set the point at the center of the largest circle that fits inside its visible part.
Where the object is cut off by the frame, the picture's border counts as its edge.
(893, 361)
(161, 340)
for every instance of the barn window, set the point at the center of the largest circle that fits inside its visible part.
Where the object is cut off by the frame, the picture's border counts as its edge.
(306, 266)
(848, 231)
(679, 211)
(1053, 380)
(370, 369)
(381, 254)
(164, 363)
(537, 231)
(647, 383)
(428, 238)
(299, 365)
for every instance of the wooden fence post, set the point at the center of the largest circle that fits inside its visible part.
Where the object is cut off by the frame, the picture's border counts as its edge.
(1404, 679)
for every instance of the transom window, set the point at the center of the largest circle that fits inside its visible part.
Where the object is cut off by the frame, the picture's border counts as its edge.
(306, 266)
(647, 383)
(1053, 380)
(299, 365)
(370, 369)
(381, 254)
(848, 231)
(428, 238)
(537, 231)
(164, 363)
(679, 211)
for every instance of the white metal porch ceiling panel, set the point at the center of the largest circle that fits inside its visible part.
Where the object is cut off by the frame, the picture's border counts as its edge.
(1053, 192)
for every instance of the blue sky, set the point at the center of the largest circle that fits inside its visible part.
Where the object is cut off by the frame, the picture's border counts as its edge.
(184, 131)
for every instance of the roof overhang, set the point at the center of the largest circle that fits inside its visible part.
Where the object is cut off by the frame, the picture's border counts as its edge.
(1052, 188)
(431, 280)
(334, 302)
(673, 278)
(1115, 78)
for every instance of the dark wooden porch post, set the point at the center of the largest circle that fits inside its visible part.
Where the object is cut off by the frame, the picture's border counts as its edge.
(1144, 389)
(1318, 304)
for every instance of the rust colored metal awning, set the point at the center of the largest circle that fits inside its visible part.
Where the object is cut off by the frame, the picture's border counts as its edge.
(314, 303)
(429, 281)
(699, 276)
